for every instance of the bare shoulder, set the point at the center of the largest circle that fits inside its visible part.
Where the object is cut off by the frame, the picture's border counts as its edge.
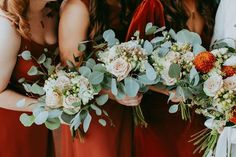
(74, 8)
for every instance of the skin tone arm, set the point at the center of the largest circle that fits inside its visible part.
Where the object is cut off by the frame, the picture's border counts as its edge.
(73, 28)
(8, 53)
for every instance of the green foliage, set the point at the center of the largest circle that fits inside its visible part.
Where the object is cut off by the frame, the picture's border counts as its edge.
(131, 87)
(33, 71)
(53, 124)
(87, 122)
(42, 59)
(173, 108)
(27, 120)
(174, 71)
(101, 100)
(96, 77)
(26, 55)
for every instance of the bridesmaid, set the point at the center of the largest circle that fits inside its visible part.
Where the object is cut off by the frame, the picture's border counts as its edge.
(167, 134)
(92, 18)
(24, 25)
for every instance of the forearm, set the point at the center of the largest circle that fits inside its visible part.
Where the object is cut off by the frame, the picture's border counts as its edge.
(9, 98)
(162, 91)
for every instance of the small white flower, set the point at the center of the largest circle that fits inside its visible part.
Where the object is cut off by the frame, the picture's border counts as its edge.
(53, 99)
(213, 84)
(230, 83)
(120, 68)
(165, 75)
(188, 56)
(172, 56)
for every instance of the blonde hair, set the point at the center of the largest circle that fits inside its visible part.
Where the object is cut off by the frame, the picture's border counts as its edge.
(16, 11)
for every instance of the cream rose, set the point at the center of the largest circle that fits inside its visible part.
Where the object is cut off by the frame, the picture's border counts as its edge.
(53, 99)
(165, 75)
(69, 101)
(173, 56)
(189, 56)
(213, 84)
(120, 68)
(63, 82)
(230, 83)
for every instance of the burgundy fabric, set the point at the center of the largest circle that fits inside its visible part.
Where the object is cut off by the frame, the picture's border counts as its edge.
(17, 140)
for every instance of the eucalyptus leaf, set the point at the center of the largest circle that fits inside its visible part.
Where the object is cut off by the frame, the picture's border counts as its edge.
(33, 71)
(102, 122)
(101, 100)
(87, 122)
(48, 63)
(20, 103)
(150, 72)
(42, 59)
(172, 34)
(26, 55)
(173, 108)
(66, 118)
(96, 77)
(114, 89)
(36, 89)
(194, 76)
(21, 80)
(85, 71)
(90, 63)
(162, 51)
(197, 49)
(108, 34)
(148, 47)
(54, 114)
(81, 47)
(96, 109)
(53, 124)
(157, 40)
(41, 118)
(27, 120)
(174, 71)
(100, 68)
(148, 26)
(131, 87)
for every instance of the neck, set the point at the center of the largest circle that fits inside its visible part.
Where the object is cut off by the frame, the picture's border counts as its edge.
(190, 5)
(36, 6)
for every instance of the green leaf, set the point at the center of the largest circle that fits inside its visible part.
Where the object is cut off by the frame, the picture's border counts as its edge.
(102, 122)
(150, 29)
(81, 47)
(144, 80)
(173, 108)
(148, 26)
(197, 49)
(21, 80)
(185, 36)
(90, 63)
(150, 72)
(26, 55)
(96, 77)
(157, 40)
(87, 122)
(36, 89)
(66, 118)
(53, 124)
(108, 35)
(41, 118)
(42, 59)
(97, 88)
(121, 91)
(131, 87)
(148, 47)
(20, 103)
(194, 76)
(51, 70)
(163, 51)
(27, 87)
(48, 63)
(101, 100)
(100, 68)
(172, 34)
(27, 120)
(33, 71)
(174, 71)
(114, 89)
(85, 71)
(54, 114)
(96, 109)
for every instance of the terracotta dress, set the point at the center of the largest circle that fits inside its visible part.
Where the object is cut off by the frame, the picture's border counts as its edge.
(109, 141)
(167, 135)
(17, 140)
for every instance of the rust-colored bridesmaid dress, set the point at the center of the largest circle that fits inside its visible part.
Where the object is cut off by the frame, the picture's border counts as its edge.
(15, 139)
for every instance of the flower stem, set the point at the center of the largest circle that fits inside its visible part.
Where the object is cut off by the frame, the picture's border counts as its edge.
(139, 119)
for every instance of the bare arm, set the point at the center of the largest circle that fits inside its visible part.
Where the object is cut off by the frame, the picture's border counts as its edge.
(73, 28)
(9, 46)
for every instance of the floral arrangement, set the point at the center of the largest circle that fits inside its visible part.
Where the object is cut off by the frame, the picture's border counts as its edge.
(68, 95)
(172, 60)
(217, 69)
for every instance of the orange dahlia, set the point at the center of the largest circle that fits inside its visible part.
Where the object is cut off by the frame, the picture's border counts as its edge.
(228, 71)
(204, 62)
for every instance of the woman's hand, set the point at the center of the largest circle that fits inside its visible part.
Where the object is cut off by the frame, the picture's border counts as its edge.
(131, 101)
(174, 99)
(127, 101)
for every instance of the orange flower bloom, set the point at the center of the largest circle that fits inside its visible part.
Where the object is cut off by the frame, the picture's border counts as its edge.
(228, 71)
(204, 62)
(233, 120)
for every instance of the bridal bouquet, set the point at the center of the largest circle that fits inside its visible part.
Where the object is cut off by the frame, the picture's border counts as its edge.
(69, 95)
(172, 60)
(127, 67)
(217, 69)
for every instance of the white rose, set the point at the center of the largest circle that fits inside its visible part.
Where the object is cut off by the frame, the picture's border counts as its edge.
(120, 68)
(49, 85)
(53, 99)
(213, 84)
(189, 56)
(63, 82)
(218, 52)
(230, 83)
(173, 56)
(69, 101)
